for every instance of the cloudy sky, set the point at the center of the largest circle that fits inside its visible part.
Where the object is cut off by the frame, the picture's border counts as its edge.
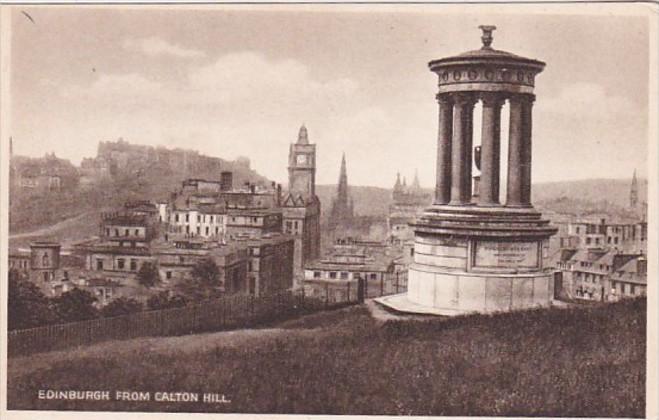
(240, 81)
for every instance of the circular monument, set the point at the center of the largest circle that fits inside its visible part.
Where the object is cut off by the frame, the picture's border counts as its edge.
(471, 252)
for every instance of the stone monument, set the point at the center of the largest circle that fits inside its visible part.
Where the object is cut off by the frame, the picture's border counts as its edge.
(471, 252)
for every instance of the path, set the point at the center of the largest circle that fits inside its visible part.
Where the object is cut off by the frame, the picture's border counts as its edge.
(23, 365)
(52, 229)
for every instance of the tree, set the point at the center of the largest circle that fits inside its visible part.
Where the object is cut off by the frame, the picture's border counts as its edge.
(76, 305)
(27, 306)
(163, 300)
(205, 282)
(122, 306)
(148, 275)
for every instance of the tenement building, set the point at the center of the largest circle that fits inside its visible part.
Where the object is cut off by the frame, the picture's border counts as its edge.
(473, 253)
(300, 205)
(600, 274)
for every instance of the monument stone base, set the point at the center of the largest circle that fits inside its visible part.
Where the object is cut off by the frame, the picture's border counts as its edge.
(478, 260)
(478, 292)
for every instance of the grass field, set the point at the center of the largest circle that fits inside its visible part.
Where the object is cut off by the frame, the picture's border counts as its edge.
(587, 361)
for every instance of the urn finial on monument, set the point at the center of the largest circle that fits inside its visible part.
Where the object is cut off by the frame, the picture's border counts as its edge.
(487, 37)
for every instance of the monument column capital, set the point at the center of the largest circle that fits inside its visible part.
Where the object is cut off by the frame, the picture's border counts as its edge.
(522, 98)
(493, 99)
(444, 99)
(464, 99)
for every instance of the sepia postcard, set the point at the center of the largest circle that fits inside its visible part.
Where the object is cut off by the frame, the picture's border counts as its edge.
(311, 210)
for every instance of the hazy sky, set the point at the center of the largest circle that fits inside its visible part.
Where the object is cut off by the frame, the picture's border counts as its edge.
(231, 82)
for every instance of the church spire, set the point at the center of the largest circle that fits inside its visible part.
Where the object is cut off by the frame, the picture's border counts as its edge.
(415, 183)
(397, 184)
(633, 192)
(343, 180)
(342, 207)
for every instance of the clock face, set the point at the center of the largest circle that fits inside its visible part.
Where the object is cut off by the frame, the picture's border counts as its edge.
(301, 158)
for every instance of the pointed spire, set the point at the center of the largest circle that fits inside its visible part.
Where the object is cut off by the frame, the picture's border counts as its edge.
(415, 183)
(397, 184)
(303, 136)
(343, 176)
(633, 192)
(404, 182)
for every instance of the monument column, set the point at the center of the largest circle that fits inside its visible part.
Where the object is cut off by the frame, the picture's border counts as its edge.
(468, 122)
(443, 184)
(490, 149)
(527, 125)
(463, 105)
(513, 190)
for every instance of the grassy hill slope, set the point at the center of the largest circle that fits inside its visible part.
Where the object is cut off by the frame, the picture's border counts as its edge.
(582, 361)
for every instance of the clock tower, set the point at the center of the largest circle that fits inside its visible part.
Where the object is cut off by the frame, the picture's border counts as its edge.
(301, 207)
(302, 166)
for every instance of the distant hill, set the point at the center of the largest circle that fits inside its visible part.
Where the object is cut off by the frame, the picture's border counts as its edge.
(120, 172)
(615, 191)
(579, 197)
(368, 201)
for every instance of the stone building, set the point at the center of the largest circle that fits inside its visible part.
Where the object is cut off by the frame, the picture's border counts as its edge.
(45, 265)
(376, 263)
(629, 236)
(600, 274)
(177, 259)
(271, 264)
(407, 204)
(252, 223)
(300, 205)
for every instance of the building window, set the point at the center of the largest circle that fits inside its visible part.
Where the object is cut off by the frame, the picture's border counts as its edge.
(187, 228)
(198, 230)
(344, 275)
(137, 232)
(217, 230)
(176, 217)
(211, 218)
(126, 232)
(187, 217)
(632, 289)
(133, 264)
(198, 218)
(107, 231)
(615, 240)
(332, 274)
(374, 276)
(588, 241)
(116, 232)
(168, 275)
(121, 263)
(207, 230)
(99, 264)
(295, 224)
(181, 259)
(316, 274)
